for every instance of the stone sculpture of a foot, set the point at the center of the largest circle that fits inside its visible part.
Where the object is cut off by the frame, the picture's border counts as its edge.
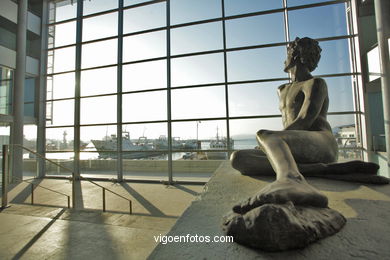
(286, 214)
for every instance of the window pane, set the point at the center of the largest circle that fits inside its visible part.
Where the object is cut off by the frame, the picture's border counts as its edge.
(64, 159)
(146, 106)
(254, 99)
(63, 34)
(64, 60)
(201, 69)
(29, 109)
(95, 142)
(91, 167)
(100, 26)
(139, 140)
(140, 158)
(197, 170)
(330, 19)
(62, 10)
(373, 64)
(200, 102)
(233, 7)
(30, 137)
(196, 38)
(98, 142)
(6, 82)
(304, 2)
(98, 81)
(95, 6)
(98, 110)
(59, 139)
(243, 131)
(144, 17)
(183, 11)
(133, 2)
(255, 64)
(29, 90)
(144, 46)
(255, 30)
(203, 131)
(334, 58)
(107, 51)
(345, 132)
(149, 168)
(60, 112)
(145, 75)
(60, 86)
(340, 94)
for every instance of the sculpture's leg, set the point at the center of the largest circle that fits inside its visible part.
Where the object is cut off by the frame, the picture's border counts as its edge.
(254, 162)
(290, 185)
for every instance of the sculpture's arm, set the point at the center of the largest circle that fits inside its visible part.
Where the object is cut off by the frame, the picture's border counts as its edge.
(315, 96)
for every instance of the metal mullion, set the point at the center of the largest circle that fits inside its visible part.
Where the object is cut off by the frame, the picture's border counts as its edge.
(146, 60)
(76, 147)
(119, 93)
(316, 5)
(219, 84)
(197, 53)
(145, 31)
(63, 21)
(58, 126)
(99, 124)
(255, 117)
(198, 119)
(100, 39)
(286, 22)
(100, 67)
(99, 95)
(256, 81)
(355, 81)
(345, 113)
(62, 151)
(101, 13)
(144, 122)
(225, 76)
(169, 124)
(195, 23)
(61, 47)
(143, 4)
(338, 74)
(59, 73)
(143, 91)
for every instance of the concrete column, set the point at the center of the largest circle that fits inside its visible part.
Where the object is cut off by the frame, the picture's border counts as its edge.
(41, 138)
(18, 91)
(382, 16)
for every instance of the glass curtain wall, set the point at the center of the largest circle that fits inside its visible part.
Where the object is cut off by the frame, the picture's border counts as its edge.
(166, 90)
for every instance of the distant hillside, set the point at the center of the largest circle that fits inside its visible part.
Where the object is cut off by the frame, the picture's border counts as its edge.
(243, 137)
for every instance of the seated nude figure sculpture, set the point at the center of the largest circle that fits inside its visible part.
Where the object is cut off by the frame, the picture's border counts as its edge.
(290, 213)
(306, 146)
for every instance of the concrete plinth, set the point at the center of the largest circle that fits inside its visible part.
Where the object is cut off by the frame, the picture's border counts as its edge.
(366, 234)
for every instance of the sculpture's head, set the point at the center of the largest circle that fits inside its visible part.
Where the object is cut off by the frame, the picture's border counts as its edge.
(305, 51)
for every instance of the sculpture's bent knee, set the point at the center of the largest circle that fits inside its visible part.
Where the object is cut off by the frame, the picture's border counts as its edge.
(263, 134)
(235, 159)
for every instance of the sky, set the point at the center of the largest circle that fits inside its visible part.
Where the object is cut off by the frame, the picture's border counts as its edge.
(206, 102)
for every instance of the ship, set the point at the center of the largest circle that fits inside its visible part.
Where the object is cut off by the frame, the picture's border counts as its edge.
(143, 148)
(219, 144)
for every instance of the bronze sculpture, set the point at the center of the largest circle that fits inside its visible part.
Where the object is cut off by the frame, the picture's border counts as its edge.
(306, 147)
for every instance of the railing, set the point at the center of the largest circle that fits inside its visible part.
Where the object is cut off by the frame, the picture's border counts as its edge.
(34, 185)
(5, 167)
